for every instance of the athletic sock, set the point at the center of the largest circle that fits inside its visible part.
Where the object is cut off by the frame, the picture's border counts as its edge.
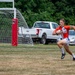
(73, 55)
(62, 50)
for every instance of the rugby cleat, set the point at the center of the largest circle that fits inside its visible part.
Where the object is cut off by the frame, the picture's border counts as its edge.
(62, 56)
(73, 59)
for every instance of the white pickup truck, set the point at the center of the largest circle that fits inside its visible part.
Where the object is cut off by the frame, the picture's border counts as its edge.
(41, 31)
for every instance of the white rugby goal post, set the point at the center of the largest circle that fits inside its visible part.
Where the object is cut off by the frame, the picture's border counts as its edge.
(10, 19)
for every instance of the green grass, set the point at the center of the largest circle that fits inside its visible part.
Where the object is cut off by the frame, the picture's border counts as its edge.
(35, 60)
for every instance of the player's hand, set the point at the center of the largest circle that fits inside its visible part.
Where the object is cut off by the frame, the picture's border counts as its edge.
(54, 33)
(74, 28)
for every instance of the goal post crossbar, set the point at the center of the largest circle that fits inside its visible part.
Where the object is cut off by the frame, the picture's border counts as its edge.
(7, 8)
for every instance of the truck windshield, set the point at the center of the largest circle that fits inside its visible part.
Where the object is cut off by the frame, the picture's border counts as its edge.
(42, 25)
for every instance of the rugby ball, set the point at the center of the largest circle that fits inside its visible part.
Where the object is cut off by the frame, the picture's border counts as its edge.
(58, 31)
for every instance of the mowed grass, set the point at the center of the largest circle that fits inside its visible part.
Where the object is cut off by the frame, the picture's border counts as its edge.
(35, 60)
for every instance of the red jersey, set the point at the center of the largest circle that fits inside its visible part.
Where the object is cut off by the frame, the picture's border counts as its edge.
(65, 31)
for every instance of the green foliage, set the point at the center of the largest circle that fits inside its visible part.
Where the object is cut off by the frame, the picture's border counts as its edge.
(45, 10)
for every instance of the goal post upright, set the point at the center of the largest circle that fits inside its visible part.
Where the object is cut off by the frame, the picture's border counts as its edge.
(14, 39)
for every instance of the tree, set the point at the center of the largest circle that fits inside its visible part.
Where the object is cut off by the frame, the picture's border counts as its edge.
(49, 10)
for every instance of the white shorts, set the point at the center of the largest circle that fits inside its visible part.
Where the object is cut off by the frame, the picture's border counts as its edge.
(67, 41)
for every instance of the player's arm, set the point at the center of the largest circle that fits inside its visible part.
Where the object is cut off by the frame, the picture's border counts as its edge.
(72, 27)
(57, 31)
(54, 33)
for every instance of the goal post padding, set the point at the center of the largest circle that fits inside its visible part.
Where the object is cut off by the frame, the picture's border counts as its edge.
(14, 32)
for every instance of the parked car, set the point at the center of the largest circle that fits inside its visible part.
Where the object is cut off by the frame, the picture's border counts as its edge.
(72, 37)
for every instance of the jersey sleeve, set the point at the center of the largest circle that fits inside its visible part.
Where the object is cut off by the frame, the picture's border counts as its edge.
(67, 27)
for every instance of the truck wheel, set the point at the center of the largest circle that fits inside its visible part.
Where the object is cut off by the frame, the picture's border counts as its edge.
(43, 40)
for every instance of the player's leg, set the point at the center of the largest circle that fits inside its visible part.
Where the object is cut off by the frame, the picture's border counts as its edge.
(60, 45)
(68, 50)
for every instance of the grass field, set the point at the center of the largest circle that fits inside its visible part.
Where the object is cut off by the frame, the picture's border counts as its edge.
(35, 60)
